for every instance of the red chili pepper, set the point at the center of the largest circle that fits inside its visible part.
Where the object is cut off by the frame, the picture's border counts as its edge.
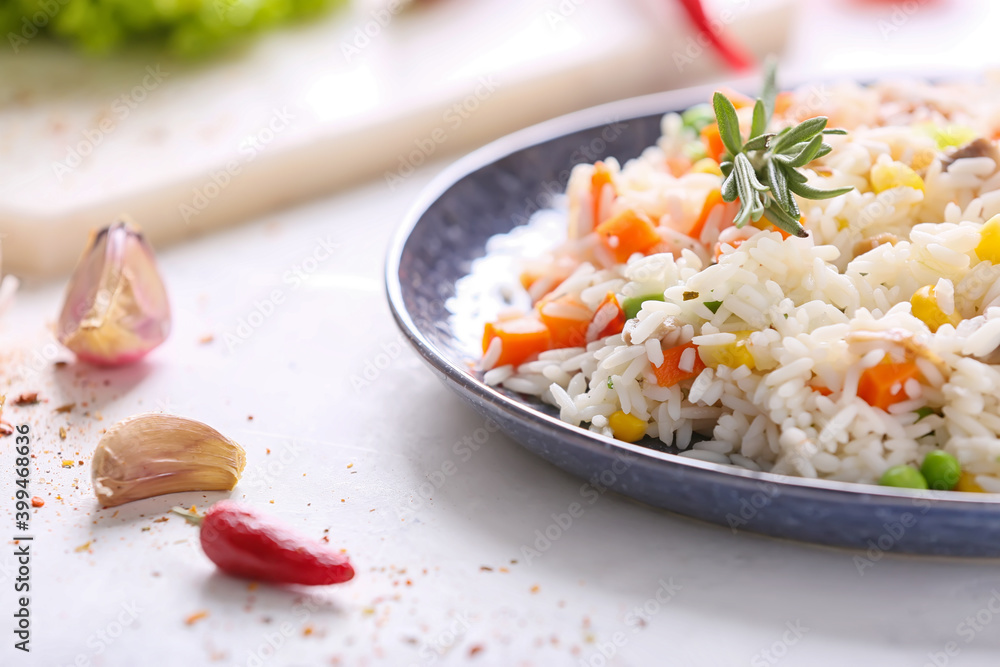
(245, 543)
(734, 55)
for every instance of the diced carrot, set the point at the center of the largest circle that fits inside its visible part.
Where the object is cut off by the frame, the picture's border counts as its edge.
(735, 243)
(678, 166)
(528, 279)
(710, 137)
(600, 178)
(882, 385)
(521, 338)
(565, 331)
(668, 373)
(783, 102)
(616, 325)
(767, 225)
(713, 199)
(825, 391)
(627, 233)
(739, 100)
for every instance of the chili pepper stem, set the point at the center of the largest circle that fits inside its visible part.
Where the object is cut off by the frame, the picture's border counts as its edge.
(190, 515)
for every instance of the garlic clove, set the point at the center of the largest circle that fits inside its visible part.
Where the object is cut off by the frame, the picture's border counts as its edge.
(116, 308)
(154, 454)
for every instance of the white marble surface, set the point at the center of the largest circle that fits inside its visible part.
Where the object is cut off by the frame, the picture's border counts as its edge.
(423, 595)
(732, 597)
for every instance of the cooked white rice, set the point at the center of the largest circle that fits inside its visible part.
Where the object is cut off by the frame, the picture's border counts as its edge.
(820, 309)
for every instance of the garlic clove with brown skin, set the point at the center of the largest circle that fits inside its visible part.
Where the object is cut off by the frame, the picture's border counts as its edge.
(116, 308)
(154, 454)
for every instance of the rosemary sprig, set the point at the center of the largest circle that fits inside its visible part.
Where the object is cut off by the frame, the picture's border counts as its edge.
(763, 172)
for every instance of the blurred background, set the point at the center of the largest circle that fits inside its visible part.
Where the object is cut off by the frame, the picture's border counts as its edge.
(194, 114)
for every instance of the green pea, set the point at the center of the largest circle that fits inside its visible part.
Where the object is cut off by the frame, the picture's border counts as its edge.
(698, 117)
(903, 477)
(941, 470)
(633, 304)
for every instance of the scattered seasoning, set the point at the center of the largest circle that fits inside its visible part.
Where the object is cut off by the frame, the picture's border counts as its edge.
(195, 617)
(37, 502)
(67, 463)
(713, 306)
(306, 631)
(611, 383)
(63, 409)
(83, 547)
(206, 339)
(688, 296)
(27, 399)
(485, 568)
(249, 418)
(350, 465)
(535, 588)
(62, 433)
(475, 650)
(162, 519)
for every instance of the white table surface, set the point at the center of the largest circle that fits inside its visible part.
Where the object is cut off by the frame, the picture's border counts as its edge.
(436, 580)
(421, 563)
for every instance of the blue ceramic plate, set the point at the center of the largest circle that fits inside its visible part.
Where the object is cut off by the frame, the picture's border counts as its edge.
(490, 192)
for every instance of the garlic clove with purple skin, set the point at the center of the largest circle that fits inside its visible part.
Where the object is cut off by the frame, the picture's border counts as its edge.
(116, 308)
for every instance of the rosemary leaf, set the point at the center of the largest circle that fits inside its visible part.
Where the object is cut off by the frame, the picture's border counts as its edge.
(809, 192)
(759, 124)
(729, 123)
(804, 131)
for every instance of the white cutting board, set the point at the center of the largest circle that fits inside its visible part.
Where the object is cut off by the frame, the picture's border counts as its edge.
(186, 148)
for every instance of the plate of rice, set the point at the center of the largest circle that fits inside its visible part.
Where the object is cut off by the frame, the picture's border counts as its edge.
(778, 314)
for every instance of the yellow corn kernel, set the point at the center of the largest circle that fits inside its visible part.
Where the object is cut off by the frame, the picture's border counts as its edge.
(949, 136)
(925, 308)
(989, 241)
(733, 354)
(885, 176)
(967, 483)
(626, 427)
(706, 166)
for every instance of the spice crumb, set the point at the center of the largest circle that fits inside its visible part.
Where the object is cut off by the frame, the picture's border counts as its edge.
(62, 433)
(37, 502)
(350, 465)
(485, 568)
(206, 339)
(535, 588)
(195, 617)
(475, 650)
(306, 631)
(83, 547)
(29, 398)
(67, 463)
(63, 409)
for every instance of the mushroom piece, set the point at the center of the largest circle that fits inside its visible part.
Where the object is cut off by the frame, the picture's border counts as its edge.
(911, 343)
(864, 245)
(977, 148)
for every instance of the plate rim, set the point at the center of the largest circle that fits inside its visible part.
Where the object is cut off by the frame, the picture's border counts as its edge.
(624, 110)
